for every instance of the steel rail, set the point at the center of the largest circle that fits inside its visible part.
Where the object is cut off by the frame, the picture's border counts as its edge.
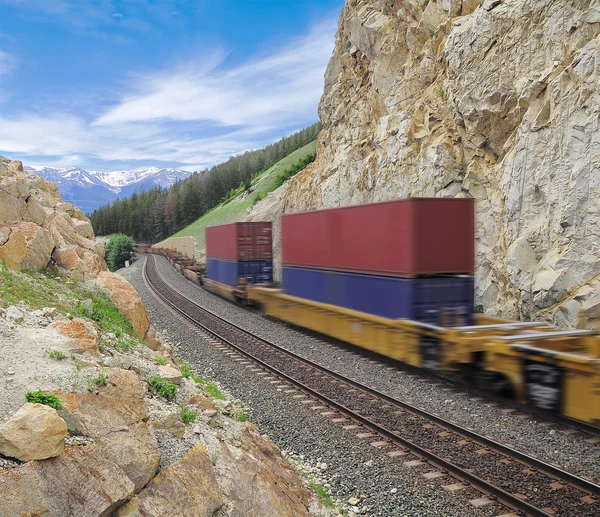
(502, 496)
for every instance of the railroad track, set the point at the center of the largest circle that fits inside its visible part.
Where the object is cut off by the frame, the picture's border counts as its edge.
(520, 482)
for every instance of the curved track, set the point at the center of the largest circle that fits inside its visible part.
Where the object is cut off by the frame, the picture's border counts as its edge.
(525, 484)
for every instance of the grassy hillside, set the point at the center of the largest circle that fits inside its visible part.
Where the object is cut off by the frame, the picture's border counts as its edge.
(233, 209)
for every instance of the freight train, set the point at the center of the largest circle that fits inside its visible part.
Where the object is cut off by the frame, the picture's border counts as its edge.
(396, 278)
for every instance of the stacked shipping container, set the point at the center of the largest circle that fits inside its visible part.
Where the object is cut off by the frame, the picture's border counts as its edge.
(240, 253)
(411, 258)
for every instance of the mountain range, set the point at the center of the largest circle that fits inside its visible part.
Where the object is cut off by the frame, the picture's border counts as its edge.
(89, 190)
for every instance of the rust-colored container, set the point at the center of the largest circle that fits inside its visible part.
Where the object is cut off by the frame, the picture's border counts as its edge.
(407, 237)
(240, 241)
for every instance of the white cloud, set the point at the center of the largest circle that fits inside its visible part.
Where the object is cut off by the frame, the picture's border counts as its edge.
(169, 117)
(265, 91)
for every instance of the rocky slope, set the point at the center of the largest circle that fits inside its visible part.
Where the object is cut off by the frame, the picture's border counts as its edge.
(37, 227)
(497, 100)
(117, 446)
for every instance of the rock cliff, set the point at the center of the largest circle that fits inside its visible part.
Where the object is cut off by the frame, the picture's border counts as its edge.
(37, 227)
(496, 100)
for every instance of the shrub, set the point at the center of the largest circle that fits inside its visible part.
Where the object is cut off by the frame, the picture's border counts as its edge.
(39, 397)
(187, 415)
(165, 389)
(119, 249)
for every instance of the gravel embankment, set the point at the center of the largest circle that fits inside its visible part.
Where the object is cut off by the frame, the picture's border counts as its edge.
(355, 468)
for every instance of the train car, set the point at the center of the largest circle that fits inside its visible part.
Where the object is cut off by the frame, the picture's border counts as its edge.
(238, 255)
(338, 265)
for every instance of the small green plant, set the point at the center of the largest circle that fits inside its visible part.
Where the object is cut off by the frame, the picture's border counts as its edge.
(98, 381)
(165, 389)
(187, 415)
(198, 380)
(56, 354)
(126, 344)
(160, 360)
(213, 391)
(214, 459)
(186, 370)
(442, 93)
(241, 417)
(78, 367)
(40, 397)
(322, 494)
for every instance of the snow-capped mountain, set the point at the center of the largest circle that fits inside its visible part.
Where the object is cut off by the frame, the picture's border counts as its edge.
(89, 190)
(162, 177)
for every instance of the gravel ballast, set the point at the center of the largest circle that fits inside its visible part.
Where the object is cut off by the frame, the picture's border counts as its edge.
(354, 467)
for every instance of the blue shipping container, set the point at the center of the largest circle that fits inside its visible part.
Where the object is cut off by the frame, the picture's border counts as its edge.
(420, 299)
(229, 272)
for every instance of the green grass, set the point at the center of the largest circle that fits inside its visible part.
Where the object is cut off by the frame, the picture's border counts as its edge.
(186, 370)
(210, 388)
(233, 209)
(160, 360)
(40, 397)
(56, 354)
(187, 415)
(165, 389)
(322, 494)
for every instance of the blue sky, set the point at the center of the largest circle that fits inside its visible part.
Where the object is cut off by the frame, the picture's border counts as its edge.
(107, 85)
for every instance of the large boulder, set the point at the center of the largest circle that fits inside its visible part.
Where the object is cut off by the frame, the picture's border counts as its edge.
(82, 482)
(34, 432)
(187, 487)
(259, 481)
(117, 419)
(27, 246)
(127, 300)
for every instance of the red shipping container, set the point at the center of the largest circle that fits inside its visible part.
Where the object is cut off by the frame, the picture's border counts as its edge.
(240, 241)
(407, 237)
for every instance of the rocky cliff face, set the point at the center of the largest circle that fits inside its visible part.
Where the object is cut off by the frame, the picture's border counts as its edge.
(37, 227)
(496, 100)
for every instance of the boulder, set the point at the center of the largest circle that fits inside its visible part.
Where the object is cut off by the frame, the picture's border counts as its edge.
(15, 314)
(34, 432)
(117, 419)
(127, 300)
(67, 257)
(81, 333)
(259, 480)
(187, 487)
(82, 482)
(26, 246)
(169, 373)
(170, 422)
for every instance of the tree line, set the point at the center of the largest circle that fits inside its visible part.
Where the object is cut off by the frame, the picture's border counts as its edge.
(153, 215)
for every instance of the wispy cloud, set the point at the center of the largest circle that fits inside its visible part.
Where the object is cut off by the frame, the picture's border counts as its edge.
(168, 118)
(266, 91)
(7, 61)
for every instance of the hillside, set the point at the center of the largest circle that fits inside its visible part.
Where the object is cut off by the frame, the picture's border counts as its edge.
(495, 100)
(234, 209)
